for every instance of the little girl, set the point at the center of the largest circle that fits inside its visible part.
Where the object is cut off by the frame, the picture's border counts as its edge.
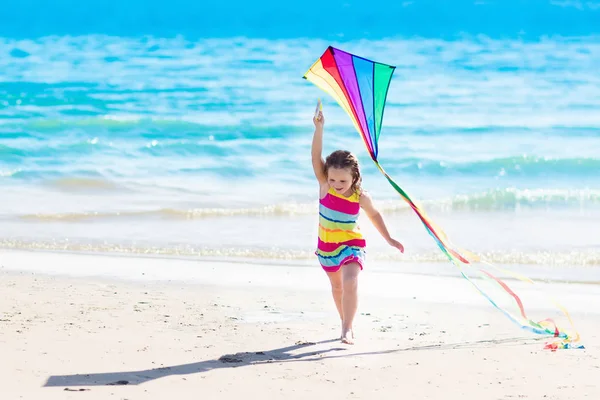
(341, 243)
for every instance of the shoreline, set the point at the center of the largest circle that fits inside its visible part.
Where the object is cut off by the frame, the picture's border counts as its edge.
(559, 274)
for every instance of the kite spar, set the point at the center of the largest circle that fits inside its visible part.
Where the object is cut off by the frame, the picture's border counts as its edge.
(360, 86)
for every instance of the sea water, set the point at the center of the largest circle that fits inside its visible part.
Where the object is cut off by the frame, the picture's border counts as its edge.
(136, 128)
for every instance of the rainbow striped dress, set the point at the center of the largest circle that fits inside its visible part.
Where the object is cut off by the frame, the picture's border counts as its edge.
(340, 240)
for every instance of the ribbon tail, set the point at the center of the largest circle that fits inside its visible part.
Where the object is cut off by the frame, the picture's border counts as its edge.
(461, 258)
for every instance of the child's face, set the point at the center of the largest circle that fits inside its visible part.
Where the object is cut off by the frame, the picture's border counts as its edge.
(340, 179)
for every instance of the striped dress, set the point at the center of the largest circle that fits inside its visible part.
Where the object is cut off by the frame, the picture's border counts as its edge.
(340, 240)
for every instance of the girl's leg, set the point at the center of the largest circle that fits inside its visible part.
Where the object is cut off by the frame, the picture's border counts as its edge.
(336, 289)
(349, 299)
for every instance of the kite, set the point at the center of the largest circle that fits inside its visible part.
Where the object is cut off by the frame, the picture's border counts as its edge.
(360, 86)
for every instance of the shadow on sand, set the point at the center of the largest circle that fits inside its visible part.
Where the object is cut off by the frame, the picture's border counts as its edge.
(280, 355)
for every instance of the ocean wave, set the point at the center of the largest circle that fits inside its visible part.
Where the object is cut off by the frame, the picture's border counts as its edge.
(58, 178)
(505, 199)
(245, 151)
(193, 126)
(54, 152)
(522, 166)
(584, 257)
(152, 127)
(175, 214)
(86, 184)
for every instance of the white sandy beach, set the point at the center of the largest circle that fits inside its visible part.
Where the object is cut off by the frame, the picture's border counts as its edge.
(103, 327)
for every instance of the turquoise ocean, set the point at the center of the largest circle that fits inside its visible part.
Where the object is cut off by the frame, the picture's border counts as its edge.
(182, 129)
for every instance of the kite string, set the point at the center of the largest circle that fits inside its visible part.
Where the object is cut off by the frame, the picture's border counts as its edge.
(456, 258)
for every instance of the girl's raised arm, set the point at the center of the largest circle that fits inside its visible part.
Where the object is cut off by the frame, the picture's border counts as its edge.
(317, 149)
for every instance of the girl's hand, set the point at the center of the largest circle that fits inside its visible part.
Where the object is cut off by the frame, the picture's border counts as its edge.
(396, 244)
(319, 121)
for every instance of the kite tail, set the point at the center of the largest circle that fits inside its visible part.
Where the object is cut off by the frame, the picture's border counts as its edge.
(462, 258)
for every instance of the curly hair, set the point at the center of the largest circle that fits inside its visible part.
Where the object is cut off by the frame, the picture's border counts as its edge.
(343, 159)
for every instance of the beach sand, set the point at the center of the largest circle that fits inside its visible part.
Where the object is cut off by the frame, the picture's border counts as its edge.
(104, 327)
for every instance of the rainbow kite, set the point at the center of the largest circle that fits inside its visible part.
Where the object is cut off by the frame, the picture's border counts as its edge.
(360, 86)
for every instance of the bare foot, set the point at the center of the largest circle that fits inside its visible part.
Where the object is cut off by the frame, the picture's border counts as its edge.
(348, 337)
(351, 330)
